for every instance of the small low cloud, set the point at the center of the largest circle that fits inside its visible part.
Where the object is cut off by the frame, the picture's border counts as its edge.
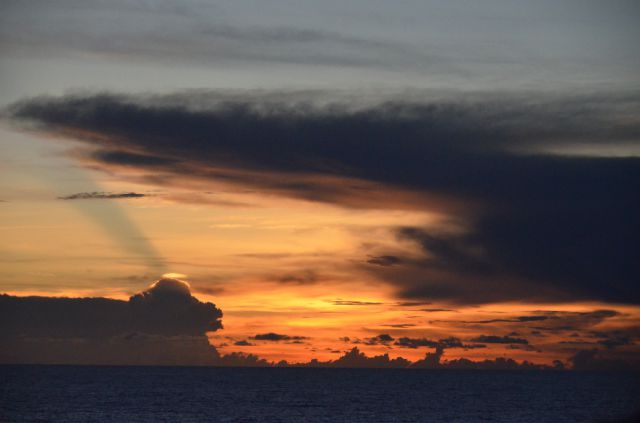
(96, 195)
(412, 303)
(354, 303)
(385, 261)
(382, 339)
(400, 325)
(276, 337)
(435, 310)
(494, 339)
(303, 277)
(450, 342)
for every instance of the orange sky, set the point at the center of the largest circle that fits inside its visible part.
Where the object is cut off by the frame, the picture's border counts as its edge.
(323, 173)
(297, 269)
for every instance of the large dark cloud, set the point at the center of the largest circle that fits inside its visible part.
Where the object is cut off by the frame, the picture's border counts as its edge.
(167, 308)
(553, 227)
(164, 324)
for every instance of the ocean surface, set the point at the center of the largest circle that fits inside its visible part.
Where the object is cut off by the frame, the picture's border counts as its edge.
(192, 394)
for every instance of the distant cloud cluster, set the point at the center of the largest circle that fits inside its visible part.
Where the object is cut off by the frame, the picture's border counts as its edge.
(166, 325)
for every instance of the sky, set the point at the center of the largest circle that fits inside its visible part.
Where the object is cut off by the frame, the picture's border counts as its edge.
(292, 180)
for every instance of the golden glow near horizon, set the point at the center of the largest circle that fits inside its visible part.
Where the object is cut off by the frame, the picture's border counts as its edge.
(272, 265)
(345, 182)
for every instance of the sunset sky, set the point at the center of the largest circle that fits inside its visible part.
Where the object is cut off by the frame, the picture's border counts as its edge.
(393, 176)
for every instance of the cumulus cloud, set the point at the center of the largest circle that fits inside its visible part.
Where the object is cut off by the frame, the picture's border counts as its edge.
(165, 321)
(357, 359)
(521, 215)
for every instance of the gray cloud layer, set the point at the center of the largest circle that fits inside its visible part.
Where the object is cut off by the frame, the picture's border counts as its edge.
(498, 42)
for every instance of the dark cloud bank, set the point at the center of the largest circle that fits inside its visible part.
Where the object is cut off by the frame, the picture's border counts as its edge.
(535, 226)
(162, 325)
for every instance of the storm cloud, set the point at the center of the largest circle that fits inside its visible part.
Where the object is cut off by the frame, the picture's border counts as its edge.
(164, 324)
(548, 226)
(166, 308)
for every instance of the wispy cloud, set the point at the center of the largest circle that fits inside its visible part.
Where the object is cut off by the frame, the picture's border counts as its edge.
(102, 196)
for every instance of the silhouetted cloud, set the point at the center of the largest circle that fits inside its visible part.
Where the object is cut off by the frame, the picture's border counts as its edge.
(271, 336)
(164, 324)
(239, 359)
(399, 325)
(301, 277)
(357, 359)
(494, 339)
(450, 342)
(407, 342)
(382, 339)
(412, 303)
(384, 260)
(430, 360)
(572, 320)
(518, 319)
(243, 343)
(435, 310)
(354, 302)
(522, 216)
(166, 308)
(101, 196)
(617, 337)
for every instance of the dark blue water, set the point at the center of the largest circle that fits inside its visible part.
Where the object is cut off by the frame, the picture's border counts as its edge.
(183, 394)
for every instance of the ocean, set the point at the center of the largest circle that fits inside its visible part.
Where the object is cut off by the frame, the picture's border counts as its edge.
(204, 394)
